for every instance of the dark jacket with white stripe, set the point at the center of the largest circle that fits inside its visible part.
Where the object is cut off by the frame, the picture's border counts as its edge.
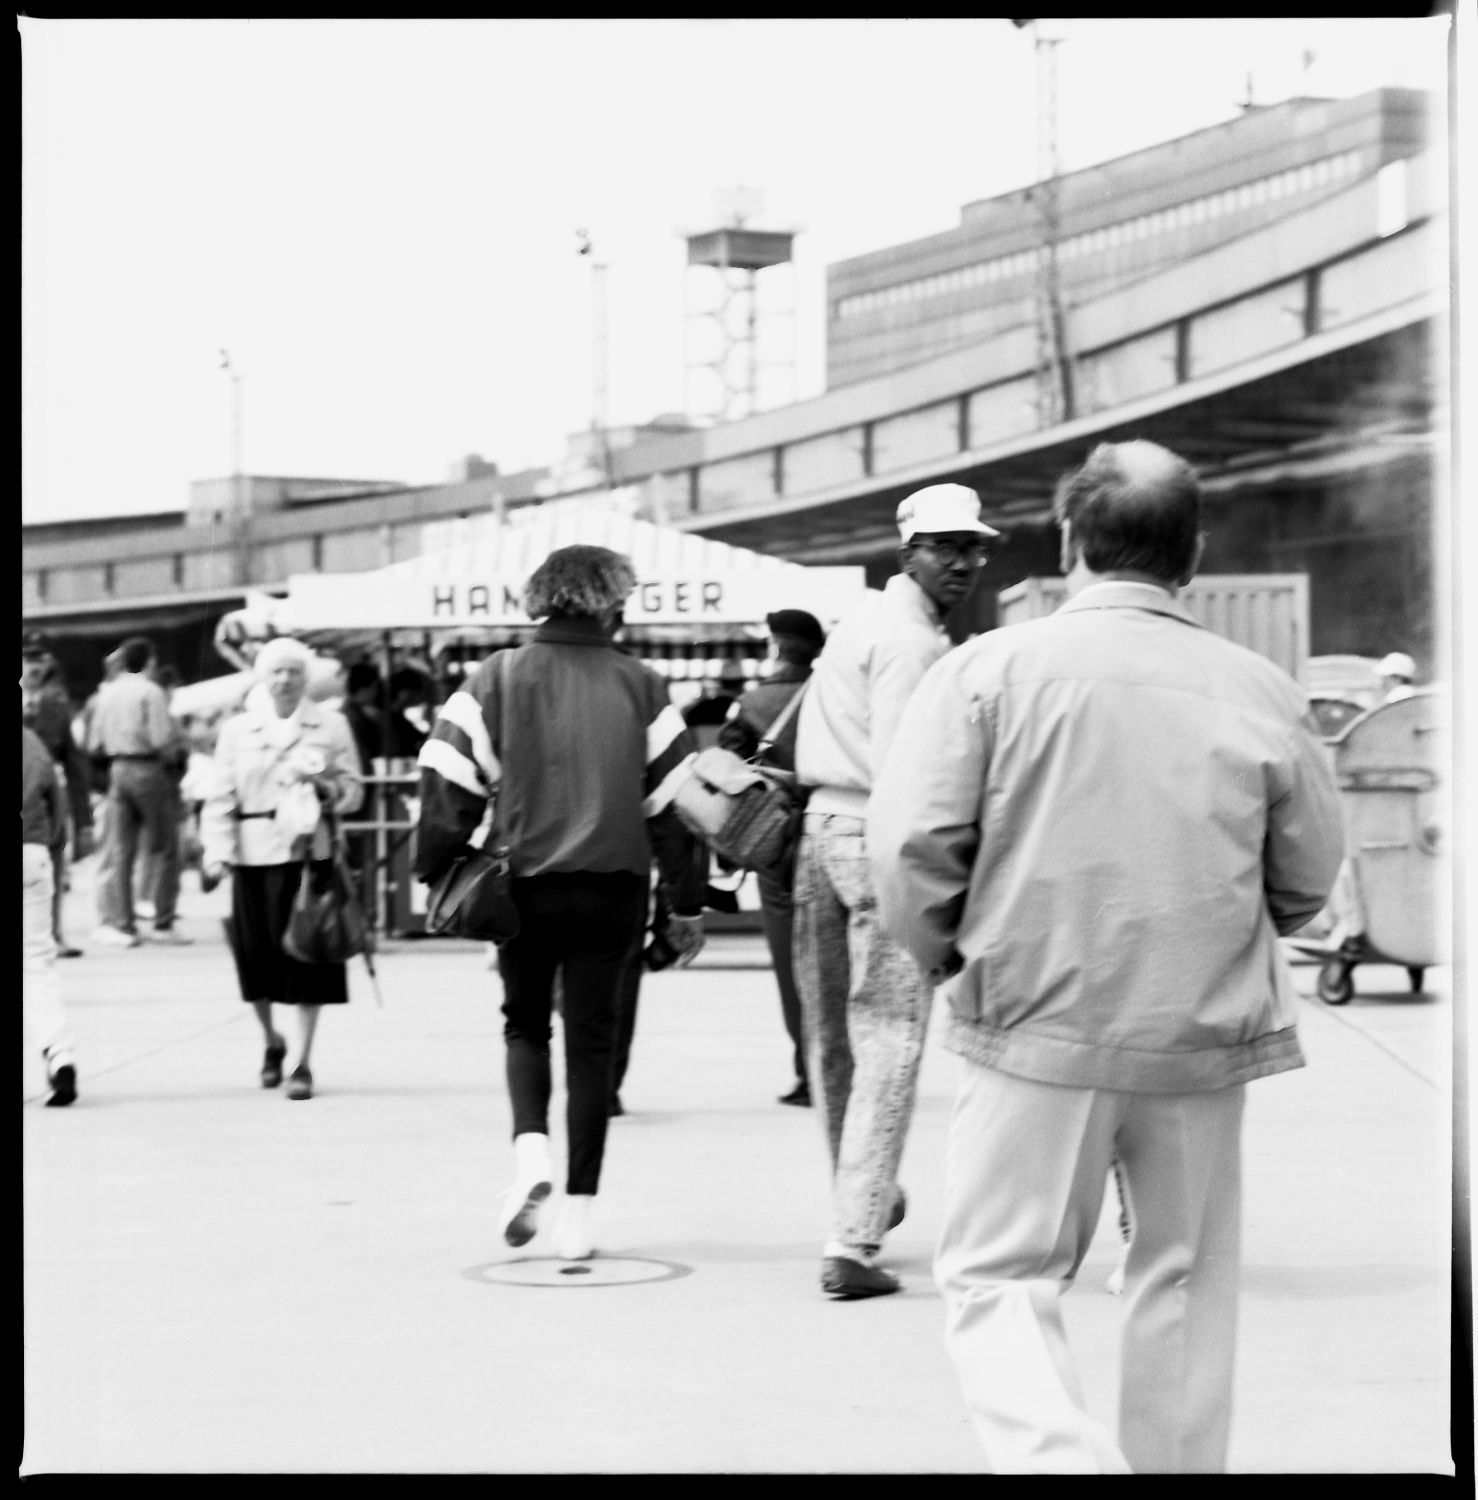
(585, 754)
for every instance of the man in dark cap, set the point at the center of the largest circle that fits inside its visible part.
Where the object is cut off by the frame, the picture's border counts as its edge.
(796, 639)
(47, 711)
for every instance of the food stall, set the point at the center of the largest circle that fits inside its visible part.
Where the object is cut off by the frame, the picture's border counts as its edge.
(699, 605)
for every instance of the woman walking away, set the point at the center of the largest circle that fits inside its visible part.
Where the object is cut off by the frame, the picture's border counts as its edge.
(584, 751)
(282, 765)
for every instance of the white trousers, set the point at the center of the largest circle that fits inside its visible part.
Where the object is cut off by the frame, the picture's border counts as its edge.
(45, 1024)
(1026, 1165)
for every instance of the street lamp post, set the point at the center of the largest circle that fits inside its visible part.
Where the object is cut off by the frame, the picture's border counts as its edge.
(239, 527)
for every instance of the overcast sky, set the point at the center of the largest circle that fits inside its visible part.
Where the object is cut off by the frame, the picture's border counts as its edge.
(377, 219)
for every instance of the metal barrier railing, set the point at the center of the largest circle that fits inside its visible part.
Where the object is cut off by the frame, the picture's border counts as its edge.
(381, 839)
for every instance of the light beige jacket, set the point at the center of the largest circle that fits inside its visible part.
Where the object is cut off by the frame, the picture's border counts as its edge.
(871, 663)
(250, 774)
(1109, 815)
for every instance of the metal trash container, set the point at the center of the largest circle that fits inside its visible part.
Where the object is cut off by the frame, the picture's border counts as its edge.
(1384, 906)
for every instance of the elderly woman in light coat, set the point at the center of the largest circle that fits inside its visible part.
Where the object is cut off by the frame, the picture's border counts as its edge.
(281, 765)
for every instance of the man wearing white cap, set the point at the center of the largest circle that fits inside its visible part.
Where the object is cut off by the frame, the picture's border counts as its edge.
(1396, 671)
(864, 1001)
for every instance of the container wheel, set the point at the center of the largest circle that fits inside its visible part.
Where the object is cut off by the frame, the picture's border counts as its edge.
(1416, 974)
(1335, 984)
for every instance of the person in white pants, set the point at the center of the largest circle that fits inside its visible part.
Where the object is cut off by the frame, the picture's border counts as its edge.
(45, 1022)
(1090, 830)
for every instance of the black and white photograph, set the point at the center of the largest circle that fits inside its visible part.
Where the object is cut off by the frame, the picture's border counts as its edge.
(835, 645)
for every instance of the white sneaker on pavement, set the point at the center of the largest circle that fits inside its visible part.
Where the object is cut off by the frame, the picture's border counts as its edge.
(171, 937)
(518, 1219)
(108, 936)
(572, 1239)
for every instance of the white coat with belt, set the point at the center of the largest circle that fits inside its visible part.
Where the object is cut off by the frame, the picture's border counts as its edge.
(253, 770)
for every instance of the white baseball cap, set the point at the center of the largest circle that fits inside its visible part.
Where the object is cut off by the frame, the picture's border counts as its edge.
(942, 507)
(1397, 664)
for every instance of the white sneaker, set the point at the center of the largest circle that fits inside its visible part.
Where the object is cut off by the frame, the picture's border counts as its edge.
(518, 1219)
(108, 936)
(171, 937)
(572, 1240)
(145, 909)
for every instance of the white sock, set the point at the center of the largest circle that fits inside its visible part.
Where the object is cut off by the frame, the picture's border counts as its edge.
(836, 1248)
(531, 1157)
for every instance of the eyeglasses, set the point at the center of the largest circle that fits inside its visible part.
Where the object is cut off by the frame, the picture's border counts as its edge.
(973, 554)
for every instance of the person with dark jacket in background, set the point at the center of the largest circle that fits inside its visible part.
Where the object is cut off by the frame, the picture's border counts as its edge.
(796, 640)
(46, 709)
(43, 814)
(585, 753)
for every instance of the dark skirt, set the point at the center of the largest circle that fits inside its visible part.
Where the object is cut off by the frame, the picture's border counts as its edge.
(261, 903)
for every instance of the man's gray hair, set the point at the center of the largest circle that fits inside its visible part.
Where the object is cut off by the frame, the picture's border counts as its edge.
(579, 581)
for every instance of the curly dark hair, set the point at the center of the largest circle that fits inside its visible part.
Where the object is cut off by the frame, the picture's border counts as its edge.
(579, 581)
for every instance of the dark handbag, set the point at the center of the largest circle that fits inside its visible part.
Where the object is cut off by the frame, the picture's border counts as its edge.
(473, 897)
(327, 924)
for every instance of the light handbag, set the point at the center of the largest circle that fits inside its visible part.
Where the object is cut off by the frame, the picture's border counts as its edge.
(473, 897)
(748, 813)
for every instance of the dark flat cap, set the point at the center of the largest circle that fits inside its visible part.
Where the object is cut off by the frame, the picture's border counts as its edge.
(797, 623)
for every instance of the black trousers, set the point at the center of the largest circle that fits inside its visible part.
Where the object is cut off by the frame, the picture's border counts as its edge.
(581, 926)
(777, 915)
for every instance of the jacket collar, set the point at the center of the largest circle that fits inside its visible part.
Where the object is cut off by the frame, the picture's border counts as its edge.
(569, 631)
(905, 595)
(1116, 594)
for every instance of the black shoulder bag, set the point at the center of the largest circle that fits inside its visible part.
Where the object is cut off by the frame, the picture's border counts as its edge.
(474, 897)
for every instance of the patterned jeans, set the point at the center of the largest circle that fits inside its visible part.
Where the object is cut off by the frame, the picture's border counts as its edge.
(865, 1007)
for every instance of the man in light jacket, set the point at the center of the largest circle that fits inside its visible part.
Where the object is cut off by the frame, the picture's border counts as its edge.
(865, 1005)
(1094, 827)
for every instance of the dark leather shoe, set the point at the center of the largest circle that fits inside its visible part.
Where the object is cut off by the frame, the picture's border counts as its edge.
(272, 1066)
(800, 1094)
(900, 1208)
(848, 1279)
(66, 950)
(300, 1083)
(63, 1087)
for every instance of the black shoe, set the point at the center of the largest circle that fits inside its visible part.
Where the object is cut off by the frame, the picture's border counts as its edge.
(800, 1094)
(66, 950)
(900, 1208)
(847, 1279)
(272, 1066)
(300, 1083)
(617, 1108)
(63, 1086)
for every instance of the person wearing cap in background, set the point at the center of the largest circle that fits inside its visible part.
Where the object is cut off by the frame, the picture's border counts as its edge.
(1396, 671)
(46, 709)
(796, 639)
(865, 1003)
(131, 726)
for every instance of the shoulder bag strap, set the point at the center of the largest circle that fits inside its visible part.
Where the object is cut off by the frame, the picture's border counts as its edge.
(781, 719)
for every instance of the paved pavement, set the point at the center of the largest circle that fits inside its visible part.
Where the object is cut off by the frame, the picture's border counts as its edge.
(219, 1280)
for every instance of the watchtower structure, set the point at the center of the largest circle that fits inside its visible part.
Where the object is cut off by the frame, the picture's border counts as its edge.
(723, 329)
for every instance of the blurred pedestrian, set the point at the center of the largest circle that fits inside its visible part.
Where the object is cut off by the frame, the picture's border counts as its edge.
(150, 868)
(584, 752)
(46, 709)
(796, 639)
(1092, 829)
(131, 727)
(1396, 673)
(865, 1003)
(707, 712)
(44, 1023)
(284, 766)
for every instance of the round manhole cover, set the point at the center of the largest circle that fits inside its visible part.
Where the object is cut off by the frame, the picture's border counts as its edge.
(600, 1270)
